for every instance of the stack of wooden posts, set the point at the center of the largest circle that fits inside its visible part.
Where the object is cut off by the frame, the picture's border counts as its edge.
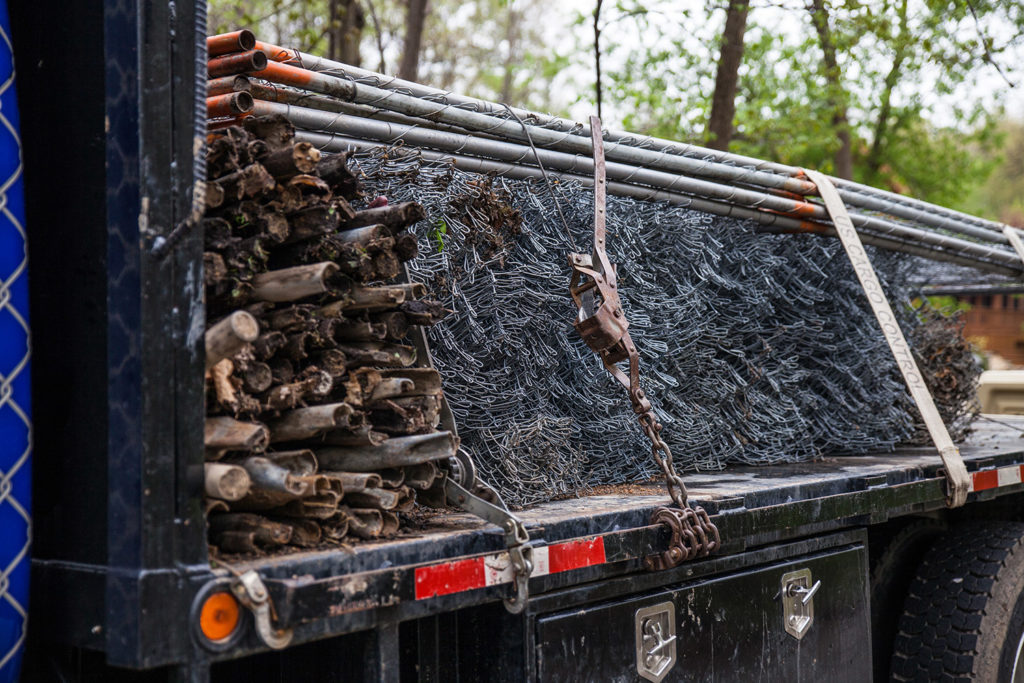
(319, 424)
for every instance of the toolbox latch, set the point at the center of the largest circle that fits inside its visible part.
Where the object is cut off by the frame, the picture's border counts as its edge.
(655, 641)
(798, 602)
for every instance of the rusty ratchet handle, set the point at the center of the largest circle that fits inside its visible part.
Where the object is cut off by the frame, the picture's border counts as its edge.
(603, 326)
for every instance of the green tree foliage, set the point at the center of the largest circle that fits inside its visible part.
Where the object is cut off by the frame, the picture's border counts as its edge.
(302, 24)
(1001, 196)
(920, 81)
(488, 48)
(908, 75)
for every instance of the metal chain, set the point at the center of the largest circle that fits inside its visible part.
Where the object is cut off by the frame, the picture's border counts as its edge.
(603, 326)
(674, 483)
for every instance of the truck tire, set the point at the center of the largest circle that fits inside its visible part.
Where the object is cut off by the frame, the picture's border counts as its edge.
(963, 617)
(896, 552)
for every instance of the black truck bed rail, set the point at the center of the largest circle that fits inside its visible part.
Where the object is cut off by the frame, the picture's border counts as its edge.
(456, 561)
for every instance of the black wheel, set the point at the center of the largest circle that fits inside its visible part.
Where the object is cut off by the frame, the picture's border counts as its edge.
(963, 617)
(896, 551)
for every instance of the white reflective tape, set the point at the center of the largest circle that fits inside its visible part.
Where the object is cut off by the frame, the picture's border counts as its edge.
(956, 472)
(541, 565)
(1015, 241)
(497, 569)
(1009, 475)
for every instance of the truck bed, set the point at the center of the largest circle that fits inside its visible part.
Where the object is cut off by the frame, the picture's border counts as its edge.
(454, 560)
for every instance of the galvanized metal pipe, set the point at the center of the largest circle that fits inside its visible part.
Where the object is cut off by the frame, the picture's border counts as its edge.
(770, 222)
(854, 194)
(270, 92)
(518, 155)
(334, 86)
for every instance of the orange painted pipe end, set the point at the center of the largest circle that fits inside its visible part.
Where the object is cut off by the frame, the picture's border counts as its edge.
(238, 63)
(228, 84)
(226, 43)
(230, 104)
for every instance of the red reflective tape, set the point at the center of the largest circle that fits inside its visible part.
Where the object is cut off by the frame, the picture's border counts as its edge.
(576, 554)
(450, 577)
(989, 479)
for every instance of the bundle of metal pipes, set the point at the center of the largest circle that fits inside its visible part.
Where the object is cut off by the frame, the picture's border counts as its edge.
(319, 424)
(338, 107)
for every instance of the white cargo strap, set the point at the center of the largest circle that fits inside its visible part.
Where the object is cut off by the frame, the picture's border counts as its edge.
(1015, 241)
(959, 482)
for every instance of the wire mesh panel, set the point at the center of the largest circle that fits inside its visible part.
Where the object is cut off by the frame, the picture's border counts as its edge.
(755, 348)
(15, 424)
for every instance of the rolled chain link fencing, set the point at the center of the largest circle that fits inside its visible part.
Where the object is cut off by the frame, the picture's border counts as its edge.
(755, 348)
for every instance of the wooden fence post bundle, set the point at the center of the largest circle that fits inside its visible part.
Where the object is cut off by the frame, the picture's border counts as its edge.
(226, 482)
(310, 349)
(227, 434)
(395, 452)
(306, 423)
(292, 284)
(356, 481)
(286, 162)
(228, 336)
(272, 485)
(421, 477)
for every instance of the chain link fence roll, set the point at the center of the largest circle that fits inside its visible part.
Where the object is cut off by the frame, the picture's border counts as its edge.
(755, 348)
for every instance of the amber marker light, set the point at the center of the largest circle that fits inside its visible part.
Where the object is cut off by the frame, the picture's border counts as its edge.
(218, 618)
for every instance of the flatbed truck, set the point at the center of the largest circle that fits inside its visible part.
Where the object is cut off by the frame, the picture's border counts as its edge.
(844, 569)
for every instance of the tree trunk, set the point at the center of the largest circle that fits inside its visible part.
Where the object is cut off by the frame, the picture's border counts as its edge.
(881, 128)
(723, 102)
(409, 68)
(844, 155)
(512, 59)
(346, 21)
